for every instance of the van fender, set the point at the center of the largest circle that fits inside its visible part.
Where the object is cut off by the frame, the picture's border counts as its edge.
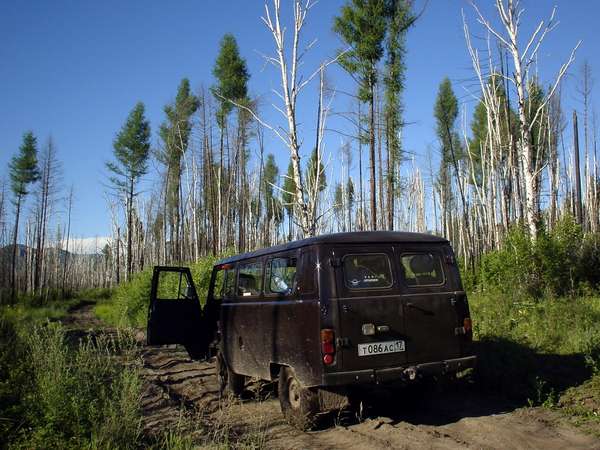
(304, 374)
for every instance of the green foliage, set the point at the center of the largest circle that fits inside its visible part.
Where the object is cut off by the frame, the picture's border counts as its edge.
(128, 306)
(131, 149)
(23, 167)
(446, 112)
(175, 134)
(272, 203)
(535, 350)
(55, 395)
(232, 76)
(362, 25)
(289, 190)
(315, 173)
(559, 262)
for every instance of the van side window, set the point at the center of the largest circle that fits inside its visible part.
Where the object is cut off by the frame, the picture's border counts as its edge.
(172, 286)
(422, 269)
(367, 271)
(224, 283)
(281, 276)
(250, 279)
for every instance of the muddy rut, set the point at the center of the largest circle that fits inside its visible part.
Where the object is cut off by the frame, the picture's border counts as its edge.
(461, 417)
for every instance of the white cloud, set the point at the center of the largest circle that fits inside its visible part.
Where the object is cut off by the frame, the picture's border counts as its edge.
(88, 245)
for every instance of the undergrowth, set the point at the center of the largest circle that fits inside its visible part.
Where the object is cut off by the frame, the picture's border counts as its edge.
(55, 393)
(128, 305)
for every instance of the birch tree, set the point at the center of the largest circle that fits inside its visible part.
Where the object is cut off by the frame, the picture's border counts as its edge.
(523, 59)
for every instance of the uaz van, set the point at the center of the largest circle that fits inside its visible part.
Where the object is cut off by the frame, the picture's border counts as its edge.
(324, 316)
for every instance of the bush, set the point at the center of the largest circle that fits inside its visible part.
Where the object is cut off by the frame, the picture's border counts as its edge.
(57, 395)
(128, 306)
(561, 262)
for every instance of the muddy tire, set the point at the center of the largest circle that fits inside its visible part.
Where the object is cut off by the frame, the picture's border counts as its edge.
(299, 404)
(229, 383)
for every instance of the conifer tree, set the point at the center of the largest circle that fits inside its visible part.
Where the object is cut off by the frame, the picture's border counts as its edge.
(131, 151)
(23, 169)
(362, 25)
(288, 196)
(446, 112)
(400, 20)
(175, 134)
(232, 86)
(314, 175)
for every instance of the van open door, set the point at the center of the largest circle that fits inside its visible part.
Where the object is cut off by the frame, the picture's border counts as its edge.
(175, 315)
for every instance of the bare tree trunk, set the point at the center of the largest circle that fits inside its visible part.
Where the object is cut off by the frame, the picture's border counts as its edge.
(373, 188)
(577, 181)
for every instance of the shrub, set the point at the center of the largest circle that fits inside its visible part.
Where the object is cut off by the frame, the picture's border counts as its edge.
(560, 262)
(81, 396)
(129, 302)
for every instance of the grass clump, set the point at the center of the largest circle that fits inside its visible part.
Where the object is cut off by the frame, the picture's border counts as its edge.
(55, 393)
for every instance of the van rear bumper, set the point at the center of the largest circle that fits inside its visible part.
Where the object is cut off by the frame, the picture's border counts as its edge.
(402, 373)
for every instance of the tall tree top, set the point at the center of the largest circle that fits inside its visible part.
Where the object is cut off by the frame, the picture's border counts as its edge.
(231, 74)
(24, 166)
(132, 145)
(362, 25)
(176, 131)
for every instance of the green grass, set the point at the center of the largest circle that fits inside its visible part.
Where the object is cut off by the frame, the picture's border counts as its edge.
(56, 394)
(543, 352)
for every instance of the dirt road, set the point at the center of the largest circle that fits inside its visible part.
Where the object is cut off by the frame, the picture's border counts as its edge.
(458, 418)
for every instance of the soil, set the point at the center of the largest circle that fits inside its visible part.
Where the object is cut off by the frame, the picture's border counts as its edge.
(460, 416)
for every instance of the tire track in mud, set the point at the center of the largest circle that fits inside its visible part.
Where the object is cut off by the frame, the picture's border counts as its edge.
(175, 388)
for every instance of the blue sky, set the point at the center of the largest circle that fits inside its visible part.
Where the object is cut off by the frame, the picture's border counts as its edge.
(74, 69)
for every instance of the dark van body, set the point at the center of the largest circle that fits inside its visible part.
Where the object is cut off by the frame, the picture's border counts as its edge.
(326, 314)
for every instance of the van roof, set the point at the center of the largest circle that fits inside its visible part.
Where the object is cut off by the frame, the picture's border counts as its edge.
(357, 237)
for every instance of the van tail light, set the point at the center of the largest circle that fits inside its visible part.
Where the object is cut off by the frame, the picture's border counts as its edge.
(327, 346)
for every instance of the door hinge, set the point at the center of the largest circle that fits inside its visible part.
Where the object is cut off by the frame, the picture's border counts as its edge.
(335, 262)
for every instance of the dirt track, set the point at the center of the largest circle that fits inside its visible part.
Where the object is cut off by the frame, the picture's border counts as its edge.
(459, 418)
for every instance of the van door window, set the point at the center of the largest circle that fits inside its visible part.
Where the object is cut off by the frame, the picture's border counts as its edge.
(173, 286)
(422, 269)
(281, 276)
(224, 286)
(367, 271)
(250, 279)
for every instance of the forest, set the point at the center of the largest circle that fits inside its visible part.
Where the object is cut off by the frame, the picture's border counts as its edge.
(512, 181)
(517, 161)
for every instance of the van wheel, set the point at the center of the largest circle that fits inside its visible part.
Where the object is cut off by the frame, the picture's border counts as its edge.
(228, 382)
(299, 404)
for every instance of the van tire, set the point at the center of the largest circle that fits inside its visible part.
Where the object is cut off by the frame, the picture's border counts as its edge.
(228, 382)
(299, 404)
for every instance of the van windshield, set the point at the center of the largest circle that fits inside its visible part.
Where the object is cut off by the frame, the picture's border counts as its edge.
(422, 269)
(367, 271)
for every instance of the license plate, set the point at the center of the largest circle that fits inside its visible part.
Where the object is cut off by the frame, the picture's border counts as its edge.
(380, 348)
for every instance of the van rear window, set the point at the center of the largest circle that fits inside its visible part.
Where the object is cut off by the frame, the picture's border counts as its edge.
(422, 269)
(367, 271)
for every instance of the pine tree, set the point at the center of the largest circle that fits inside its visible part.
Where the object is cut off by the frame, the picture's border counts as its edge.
(400, 19)
(131, 151)
(175, 134)
(313, 175)
(362, 25)
(23, 171)
(288, 196)
(232, 86)
(446, 112)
